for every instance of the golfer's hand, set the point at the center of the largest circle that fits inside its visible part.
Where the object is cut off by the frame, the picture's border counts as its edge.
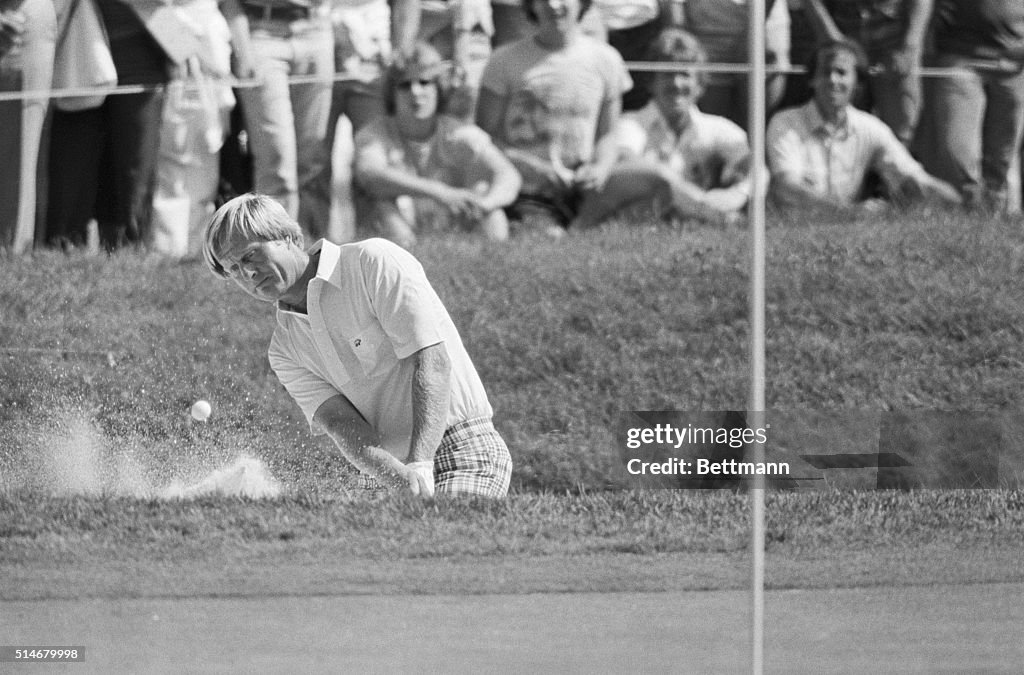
(421, 478)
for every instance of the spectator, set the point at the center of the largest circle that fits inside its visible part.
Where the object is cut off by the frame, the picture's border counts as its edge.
(195, 124)
(973, 121)
(286, 121)
(552, 102)
(368, 34)
(102, 159)
(721, 26)
(27, 36)
(892, 32)
(705, 158)
(446, 173)
(820, 153)
(367, 350)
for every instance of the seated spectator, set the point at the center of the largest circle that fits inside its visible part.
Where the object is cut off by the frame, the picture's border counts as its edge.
(820, 153)
(705, 158)
(427, 171)
(551, 101)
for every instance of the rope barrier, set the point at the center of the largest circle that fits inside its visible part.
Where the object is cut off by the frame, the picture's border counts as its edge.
(742, 68)
(639, 66)
(234, 83)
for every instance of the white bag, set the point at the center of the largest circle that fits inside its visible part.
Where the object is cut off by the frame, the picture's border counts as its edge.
(83, 59)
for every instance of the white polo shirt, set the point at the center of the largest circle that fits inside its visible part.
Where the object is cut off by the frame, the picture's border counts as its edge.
(370, 307)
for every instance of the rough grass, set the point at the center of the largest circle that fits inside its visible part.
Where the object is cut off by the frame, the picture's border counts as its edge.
(659, 521)
(656, 540)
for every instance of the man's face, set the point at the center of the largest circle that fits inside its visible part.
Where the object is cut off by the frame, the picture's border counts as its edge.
(676, 93)
(263, 269)
(835, 80)
(560, 15)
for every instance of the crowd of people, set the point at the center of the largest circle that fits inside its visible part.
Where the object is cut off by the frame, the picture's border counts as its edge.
(491, 116)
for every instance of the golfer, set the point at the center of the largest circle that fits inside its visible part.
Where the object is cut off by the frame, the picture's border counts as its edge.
(365, 347)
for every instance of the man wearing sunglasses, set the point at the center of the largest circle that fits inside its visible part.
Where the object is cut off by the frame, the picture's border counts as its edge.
(425, 170)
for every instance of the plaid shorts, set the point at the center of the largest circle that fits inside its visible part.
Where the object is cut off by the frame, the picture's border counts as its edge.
(472, 460)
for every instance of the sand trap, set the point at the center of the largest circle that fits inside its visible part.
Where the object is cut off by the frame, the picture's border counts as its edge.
(245, 477)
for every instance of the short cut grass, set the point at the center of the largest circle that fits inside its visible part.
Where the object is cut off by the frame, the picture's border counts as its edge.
(255, 217)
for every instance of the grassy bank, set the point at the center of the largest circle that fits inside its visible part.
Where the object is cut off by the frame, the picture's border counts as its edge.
(923, 312)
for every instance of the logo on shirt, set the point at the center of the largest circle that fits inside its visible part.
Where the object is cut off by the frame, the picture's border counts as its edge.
(357, 342)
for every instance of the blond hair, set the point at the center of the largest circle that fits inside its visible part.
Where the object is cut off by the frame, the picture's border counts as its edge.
(253, 216)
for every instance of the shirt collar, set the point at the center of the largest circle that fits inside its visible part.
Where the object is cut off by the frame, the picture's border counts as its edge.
(329, 254)
(665, 129)
(818, 124)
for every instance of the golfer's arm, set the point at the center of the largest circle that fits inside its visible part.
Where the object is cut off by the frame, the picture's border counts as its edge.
(431, 392)
(358, 441)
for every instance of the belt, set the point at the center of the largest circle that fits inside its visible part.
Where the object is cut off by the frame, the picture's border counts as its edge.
(272, 13)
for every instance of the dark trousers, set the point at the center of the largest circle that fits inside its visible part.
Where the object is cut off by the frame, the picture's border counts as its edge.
(632, 44)
(102, 165)
(10, 158)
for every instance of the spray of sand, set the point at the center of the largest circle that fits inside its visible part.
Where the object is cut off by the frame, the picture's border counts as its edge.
(73, 456)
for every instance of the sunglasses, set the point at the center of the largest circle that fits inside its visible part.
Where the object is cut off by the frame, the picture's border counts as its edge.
(407, 84)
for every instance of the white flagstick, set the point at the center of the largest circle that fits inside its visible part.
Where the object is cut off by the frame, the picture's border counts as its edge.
(755, 401)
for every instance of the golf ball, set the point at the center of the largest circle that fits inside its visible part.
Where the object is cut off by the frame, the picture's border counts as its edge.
(201, 410)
